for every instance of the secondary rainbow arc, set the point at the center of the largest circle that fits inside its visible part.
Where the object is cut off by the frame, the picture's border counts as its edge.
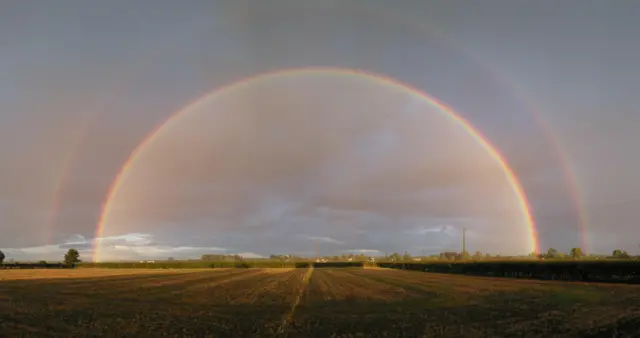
(490, 149)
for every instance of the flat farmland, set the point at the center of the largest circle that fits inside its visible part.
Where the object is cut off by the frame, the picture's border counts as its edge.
(21, 274)
(321, 302)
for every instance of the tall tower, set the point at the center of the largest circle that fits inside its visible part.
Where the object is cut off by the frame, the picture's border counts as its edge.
(317, 249)
(464, 241)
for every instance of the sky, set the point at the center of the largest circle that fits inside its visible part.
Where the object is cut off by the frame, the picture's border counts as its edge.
(282, 163)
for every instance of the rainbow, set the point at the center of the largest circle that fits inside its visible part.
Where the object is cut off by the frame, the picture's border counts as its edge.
(557, 148)
(565, 163)
(491, 150)
(426, 27)
(80, 132)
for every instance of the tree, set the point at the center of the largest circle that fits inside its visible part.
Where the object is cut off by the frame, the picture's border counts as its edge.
(395, 257)
(576, 253)
(275, 257)
(554, 254)
(617, 253)
(72, 257)
(2, 257)
(170, 259)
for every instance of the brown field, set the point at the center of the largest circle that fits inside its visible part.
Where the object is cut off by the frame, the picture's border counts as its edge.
(10, 274)
(345, 302)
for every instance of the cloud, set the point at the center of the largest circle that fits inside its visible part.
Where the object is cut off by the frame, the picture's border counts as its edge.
(124, 247)
(322, 239)
(366, 251)
(76, 245)
(443, 229)
(248, 255)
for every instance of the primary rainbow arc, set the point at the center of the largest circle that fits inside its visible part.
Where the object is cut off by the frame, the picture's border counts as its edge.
(387, 81)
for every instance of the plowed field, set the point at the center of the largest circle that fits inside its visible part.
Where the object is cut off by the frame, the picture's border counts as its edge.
(307, 302)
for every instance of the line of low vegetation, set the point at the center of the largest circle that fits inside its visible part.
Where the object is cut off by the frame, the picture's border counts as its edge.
(220, 264)
(195, 264)
(72, 260)
(627, 271)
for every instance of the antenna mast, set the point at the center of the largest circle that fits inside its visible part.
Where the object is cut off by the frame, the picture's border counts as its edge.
(464, 241)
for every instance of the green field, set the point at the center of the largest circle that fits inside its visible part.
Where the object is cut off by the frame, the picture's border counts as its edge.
(319, 302)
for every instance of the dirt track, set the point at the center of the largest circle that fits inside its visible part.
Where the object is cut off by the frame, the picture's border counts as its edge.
(300, 302)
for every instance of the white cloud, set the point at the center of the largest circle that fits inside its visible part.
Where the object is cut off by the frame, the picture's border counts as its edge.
(443, 229)
(133, 238)
(366, 251)
(322, 239)
(250, 255)
(128, 246)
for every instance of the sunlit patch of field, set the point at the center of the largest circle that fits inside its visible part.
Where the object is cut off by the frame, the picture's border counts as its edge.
(374, 267)
(13, 274)
(302, 302)
(277, 270)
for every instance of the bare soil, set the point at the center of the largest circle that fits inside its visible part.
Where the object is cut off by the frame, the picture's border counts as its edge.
(325, 302)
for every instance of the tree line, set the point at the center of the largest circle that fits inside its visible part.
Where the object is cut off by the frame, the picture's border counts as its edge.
(577, 253)
(552, 253)
(71, 258)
